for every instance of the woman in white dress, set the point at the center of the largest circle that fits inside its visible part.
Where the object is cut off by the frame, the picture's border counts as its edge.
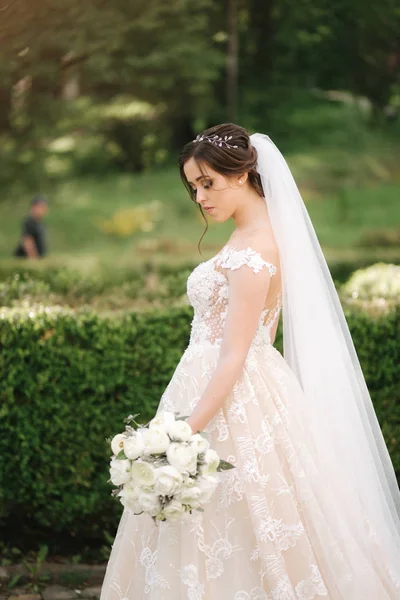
(311, 509)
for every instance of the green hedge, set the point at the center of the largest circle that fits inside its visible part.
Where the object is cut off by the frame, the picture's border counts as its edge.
(67, 382)
(69, 379)
(104, 286)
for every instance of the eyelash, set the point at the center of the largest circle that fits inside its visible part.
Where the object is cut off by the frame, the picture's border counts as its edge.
(206, 186)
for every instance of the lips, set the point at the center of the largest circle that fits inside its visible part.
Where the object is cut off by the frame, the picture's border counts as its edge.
(208, 208)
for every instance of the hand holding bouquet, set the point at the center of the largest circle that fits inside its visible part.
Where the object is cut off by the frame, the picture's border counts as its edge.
(162, 468)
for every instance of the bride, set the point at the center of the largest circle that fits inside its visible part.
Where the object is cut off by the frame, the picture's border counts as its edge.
(312, 508)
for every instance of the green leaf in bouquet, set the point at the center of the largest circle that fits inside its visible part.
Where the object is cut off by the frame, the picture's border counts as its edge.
(225, 465)
(131, 419)
(183, 418)
(121, 455)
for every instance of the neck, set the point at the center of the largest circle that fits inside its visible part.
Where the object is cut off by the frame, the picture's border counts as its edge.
(252, 214)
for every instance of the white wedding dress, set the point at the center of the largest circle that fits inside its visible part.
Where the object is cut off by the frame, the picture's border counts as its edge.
(272, 530)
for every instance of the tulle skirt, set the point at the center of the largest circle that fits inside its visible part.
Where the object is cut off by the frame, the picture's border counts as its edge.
(273, 529)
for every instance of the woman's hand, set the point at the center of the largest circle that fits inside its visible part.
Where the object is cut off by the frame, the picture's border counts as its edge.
(192, 426)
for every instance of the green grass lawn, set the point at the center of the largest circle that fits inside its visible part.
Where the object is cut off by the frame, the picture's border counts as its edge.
(341, 219)
(349, 178)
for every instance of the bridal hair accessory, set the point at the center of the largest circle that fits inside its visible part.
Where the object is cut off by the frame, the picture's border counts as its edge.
(216, 140)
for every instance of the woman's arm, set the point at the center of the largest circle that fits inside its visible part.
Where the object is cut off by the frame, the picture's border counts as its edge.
(247, 293)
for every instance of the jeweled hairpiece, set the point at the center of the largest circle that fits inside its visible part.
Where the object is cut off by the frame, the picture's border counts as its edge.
(216, 140)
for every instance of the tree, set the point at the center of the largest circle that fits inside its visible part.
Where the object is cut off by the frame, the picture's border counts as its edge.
(155, 51)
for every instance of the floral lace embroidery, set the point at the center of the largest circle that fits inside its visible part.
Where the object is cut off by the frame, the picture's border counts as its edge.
(308, 589)
(255, 594)
(190, 577)
(222, 549)
(231, 487)
(312, 587)
(154, 580)
(231, 258)
(208, 293)
(282, 535)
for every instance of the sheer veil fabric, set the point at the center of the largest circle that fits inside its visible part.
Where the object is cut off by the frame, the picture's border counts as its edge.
(319, 349)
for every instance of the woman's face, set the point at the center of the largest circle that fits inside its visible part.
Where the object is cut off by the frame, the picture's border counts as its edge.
(216, 193)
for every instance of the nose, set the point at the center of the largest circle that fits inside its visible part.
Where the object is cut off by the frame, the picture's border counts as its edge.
(200, 196)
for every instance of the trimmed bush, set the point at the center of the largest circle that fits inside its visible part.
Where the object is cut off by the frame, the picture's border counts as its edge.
(72, 286)
(377, 287)
(67, 382)
(69, 379)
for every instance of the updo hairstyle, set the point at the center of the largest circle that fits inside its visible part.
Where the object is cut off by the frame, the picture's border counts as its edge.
(226, 149)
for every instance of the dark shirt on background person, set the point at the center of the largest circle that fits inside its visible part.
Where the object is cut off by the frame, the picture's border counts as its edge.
(33, 234)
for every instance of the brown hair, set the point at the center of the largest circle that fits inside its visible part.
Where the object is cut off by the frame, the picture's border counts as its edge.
(235, 157)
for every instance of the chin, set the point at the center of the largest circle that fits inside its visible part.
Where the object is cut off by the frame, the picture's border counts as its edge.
(221, 218)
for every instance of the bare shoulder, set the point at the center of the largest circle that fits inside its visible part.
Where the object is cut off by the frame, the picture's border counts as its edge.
(261, 241)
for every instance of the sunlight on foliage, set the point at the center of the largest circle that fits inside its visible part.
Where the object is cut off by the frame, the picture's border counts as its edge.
(56, 166)
(128, 221)
(376, 288)
(124, 108)
(65, 143)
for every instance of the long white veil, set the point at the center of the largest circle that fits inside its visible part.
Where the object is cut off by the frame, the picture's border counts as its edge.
(319, 349)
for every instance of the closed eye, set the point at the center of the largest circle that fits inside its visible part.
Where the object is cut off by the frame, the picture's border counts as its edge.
(206, 186)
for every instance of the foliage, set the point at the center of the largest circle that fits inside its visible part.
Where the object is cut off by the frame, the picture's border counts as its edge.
(381, 237)
(380, 282)
(129, 82)
(150, 284)
(283, 45)
(16, 289)
(56, 364)
(37, 578)
(138, 218)
(165, 52)
(344, 192)
(103, 290)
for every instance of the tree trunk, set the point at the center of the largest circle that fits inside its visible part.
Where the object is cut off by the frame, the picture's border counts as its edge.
(232, 61)
(5, 109)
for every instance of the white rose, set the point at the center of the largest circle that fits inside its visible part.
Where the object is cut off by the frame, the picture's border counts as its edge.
(129, 496)
(180, 431)
(132, 504)
(134, 445)
(207, 485)
(117, 443)
(142, 473)
(130, 490)
(183, 457)
(168, 480)
(156, 440)
(191, 494)
(150, 503)
(174, 510)
(211, 462)
(163, 419)
(199, 443)
(120, 471)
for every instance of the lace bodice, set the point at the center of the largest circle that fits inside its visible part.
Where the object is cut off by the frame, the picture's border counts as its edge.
(209, 294)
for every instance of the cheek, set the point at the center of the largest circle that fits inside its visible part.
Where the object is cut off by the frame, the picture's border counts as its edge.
(224, 211)
(227, 203)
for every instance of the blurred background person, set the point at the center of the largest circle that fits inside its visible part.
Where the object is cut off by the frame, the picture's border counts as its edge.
(33, 233)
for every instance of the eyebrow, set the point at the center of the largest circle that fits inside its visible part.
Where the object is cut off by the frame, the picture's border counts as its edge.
(201, 177)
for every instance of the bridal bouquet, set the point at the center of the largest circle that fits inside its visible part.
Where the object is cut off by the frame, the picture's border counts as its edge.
(162, 468)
